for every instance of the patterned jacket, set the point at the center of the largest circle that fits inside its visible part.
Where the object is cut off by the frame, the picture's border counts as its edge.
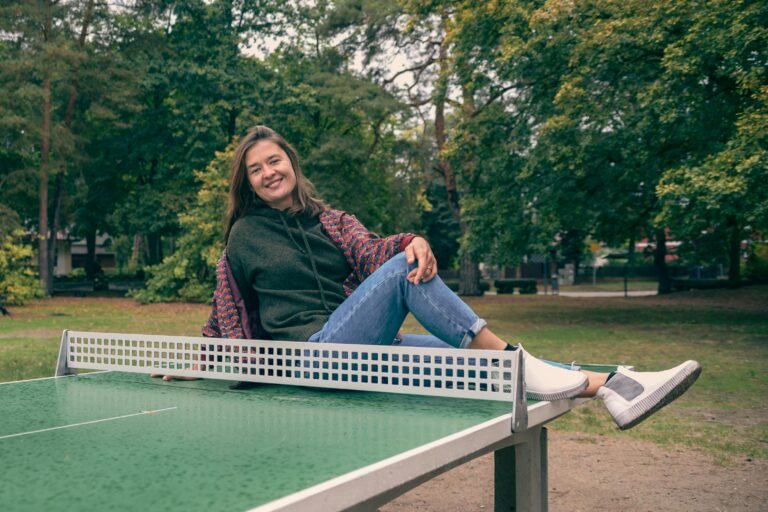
(364, 251)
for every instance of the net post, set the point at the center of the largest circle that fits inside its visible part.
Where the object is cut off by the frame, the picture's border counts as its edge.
(520, 404)
(62, 368)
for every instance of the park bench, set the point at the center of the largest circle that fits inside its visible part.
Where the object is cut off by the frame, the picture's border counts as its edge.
(525, 286)
(77, 288)
(703, 284)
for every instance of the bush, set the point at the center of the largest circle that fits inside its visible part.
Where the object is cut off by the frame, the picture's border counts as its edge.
(757, 265)
(704, 284)
(19, 282)
(526, 286)
(453, 284)
(189, 273)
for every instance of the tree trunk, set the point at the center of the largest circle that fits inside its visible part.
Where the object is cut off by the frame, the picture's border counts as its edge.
(154, 249)
(45, 153)
(56, 217)
(90, 258)
(136, 251)
(576, 270)
(69, 116)
(734, 251)
(469, 277)
(46, 280)
(660, 262)
(468, 272)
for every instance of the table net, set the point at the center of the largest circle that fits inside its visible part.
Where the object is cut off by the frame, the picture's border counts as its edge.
(480, 374)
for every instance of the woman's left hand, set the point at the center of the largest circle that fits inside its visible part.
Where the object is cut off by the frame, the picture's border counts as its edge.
(420, 251)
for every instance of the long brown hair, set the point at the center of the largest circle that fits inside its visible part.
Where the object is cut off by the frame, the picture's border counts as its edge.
(242, 197)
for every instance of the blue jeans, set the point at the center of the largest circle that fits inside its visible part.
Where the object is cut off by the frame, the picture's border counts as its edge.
(375, 311)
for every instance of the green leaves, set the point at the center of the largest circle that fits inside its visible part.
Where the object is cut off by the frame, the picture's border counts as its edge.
(188, 274)
(18, 279)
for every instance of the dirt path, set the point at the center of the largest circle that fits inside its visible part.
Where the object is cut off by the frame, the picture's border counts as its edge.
(592, 473)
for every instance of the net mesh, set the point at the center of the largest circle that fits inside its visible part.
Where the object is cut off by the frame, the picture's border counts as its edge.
(424, 371)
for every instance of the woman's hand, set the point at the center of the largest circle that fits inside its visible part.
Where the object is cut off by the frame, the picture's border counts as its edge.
(168, 378)
(420, 251)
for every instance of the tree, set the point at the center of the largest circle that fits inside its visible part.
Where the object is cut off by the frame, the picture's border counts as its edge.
(721, 193)
(341, 125)
(439, 83)
(193, 86)
(607, 98)
(189, 273)
(51, 48)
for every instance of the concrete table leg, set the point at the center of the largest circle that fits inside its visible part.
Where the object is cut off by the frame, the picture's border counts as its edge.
(520, 474)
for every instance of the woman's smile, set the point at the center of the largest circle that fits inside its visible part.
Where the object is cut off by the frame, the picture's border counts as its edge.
(271, 174)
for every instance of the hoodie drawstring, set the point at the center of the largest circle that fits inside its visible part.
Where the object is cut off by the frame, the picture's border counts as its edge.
(308, 251)
(290, 235)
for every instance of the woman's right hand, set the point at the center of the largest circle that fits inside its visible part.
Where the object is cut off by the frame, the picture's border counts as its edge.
(168, 378)
(420, 251)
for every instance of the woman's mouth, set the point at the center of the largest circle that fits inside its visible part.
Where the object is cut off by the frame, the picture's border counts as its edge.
(274, 184)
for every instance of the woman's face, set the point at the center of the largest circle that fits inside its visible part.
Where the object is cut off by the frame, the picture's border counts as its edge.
(270, 174)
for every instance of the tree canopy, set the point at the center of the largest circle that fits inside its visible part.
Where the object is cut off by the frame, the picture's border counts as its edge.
(498, 129)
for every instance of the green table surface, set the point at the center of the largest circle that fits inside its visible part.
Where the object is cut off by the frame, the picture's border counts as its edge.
(213, 449)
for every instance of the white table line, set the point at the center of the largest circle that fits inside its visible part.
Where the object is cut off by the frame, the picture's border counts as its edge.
(86, 423)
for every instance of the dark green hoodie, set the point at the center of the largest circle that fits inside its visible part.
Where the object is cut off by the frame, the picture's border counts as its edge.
(290, 268)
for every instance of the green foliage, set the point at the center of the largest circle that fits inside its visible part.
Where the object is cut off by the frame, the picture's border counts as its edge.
(343, 128)
(18, 280)
(193, 85)
(757, 264)
(563, 120)
(623, 118)
(717, 71)
(189, 273)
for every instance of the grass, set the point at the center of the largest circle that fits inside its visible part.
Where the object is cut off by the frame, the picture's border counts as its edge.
(29, 339)
(615, 285)
(725, 413)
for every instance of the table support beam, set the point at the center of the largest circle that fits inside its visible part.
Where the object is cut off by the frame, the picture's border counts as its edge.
(520, 474)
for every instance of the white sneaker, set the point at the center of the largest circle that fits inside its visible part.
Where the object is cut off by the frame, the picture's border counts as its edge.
(631, 397)
(544, 381)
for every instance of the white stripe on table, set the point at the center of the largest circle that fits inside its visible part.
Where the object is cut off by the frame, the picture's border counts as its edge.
(87, 423)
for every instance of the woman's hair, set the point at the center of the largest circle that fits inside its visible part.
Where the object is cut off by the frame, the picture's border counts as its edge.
(242, 197)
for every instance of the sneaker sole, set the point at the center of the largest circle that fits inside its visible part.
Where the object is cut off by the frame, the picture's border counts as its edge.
(559, 395)
(667, 393)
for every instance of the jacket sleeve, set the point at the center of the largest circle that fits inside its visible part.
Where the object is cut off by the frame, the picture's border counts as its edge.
(229, 316)
(365, 250)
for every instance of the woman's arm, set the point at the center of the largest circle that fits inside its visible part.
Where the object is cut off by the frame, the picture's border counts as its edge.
(365, 251)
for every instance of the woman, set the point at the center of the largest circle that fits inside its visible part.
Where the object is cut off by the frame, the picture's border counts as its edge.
(308, 272)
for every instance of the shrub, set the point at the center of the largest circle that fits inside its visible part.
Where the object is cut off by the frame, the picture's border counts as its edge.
(757, 265)
(526, 286)
(453, 284)
(189, 273)
(19, 282)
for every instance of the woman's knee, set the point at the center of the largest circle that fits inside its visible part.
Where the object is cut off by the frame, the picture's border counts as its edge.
(399, 264)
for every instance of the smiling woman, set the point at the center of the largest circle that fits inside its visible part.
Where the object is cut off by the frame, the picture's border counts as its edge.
(303, 271)
(271, 174)
(264, 159)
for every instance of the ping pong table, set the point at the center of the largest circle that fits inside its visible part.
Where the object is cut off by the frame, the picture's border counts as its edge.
(119, 440)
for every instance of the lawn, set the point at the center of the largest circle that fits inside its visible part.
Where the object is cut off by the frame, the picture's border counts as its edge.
(614, 285)
(726, 330)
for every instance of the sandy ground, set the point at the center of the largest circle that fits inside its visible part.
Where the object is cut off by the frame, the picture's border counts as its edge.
(590, 473)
